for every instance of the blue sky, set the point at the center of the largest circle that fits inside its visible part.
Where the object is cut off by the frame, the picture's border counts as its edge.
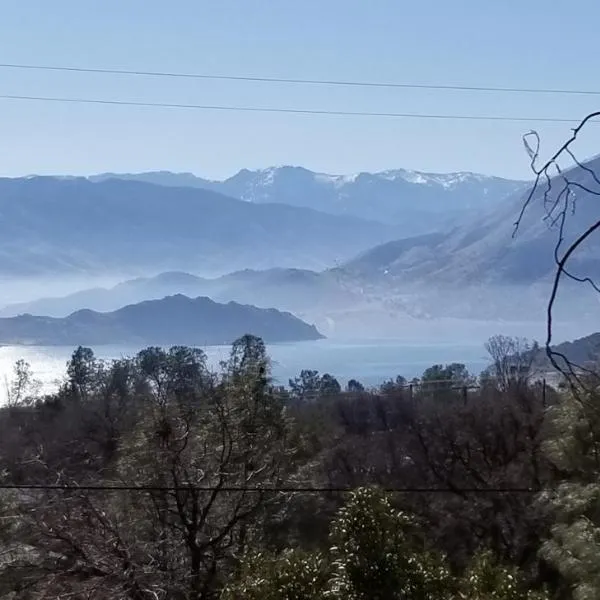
(505, 43)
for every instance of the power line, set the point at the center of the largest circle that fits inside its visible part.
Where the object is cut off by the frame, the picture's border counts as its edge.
(286, 80)
(259, 489)
(300, 111)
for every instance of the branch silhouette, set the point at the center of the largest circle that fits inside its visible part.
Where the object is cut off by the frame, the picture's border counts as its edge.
(559, 207)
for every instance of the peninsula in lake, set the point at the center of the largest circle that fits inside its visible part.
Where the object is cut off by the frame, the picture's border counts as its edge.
(172, 320)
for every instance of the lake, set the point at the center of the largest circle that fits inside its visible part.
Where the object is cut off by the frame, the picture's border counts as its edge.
(371, 362)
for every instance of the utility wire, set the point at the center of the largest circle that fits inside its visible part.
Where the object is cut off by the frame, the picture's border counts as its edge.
(323, 82)
(301, 111)
(258, 489)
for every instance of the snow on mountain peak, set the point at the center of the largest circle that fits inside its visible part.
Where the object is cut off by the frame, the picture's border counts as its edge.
(409, 176)
(335, 180)
(266, 177)
(445, 180)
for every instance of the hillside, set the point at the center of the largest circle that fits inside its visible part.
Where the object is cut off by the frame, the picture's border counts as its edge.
(172, 320)
(287, 289)
(581, 351)
(473, 271)
(484, 251)
(73, 226)
(480, 270)
(416, 201)
(390, 257)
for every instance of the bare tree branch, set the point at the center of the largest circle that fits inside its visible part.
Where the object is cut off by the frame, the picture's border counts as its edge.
(556, 214)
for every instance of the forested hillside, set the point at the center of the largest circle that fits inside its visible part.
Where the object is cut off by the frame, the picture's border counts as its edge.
(180, 482)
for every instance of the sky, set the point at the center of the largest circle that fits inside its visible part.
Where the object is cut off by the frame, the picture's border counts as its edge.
(474, 43)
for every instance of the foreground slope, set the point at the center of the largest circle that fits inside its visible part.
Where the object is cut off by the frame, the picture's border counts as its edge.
(172, 320)
(73, 226)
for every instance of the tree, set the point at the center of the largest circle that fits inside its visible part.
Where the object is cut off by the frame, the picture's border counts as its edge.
(293, 575)
(512, 360)
(311, 385)
(23, 388)
(205, 447)
(376, 554)
(354, 387)
(393, 385)
(176, 373)
(203, 456)
(454, 374)
(490, 440)
(487, 579)
(306, 386)
(81, 371)
(560, 193)
(574, 449)
(329, 385)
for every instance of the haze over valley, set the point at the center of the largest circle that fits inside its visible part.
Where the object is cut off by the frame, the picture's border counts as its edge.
(393, 254)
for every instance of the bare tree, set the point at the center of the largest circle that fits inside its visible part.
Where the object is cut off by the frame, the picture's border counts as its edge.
(559, 189)
(512, 360)
(23, 388)
(186, 485)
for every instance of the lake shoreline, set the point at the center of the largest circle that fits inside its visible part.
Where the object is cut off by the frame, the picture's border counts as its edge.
(369, 361)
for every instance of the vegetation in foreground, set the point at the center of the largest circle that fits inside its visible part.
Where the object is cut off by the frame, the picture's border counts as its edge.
(154, 478)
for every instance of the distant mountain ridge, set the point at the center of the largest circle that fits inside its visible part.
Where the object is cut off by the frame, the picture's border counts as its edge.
(73, 226)
(174, 320)
(419, 201)
(288, 289)
(474, 270)
(488, 250)
(582, 352)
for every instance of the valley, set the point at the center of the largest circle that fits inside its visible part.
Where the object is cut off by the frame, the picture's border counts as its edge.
(470, 276)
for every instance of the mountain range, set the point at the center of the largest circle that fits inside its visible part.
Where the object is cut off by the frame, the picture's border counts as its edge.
(289, 289)
(174, 320)
(489, 249)
(481, 269)
(416, 201)
(74, 226)
(478, 269)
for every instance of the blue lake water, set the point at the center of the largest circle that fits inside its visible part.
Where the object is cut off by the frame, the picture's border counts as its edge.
(371, 362)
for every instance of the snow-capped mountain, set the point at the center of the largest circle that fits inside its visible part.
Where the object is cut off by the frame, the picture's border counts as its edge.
(487, 250)
(420, 201)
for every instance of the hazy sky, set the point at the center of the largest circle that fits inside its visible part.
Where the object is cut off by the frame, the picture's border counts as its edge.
(503, 43)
